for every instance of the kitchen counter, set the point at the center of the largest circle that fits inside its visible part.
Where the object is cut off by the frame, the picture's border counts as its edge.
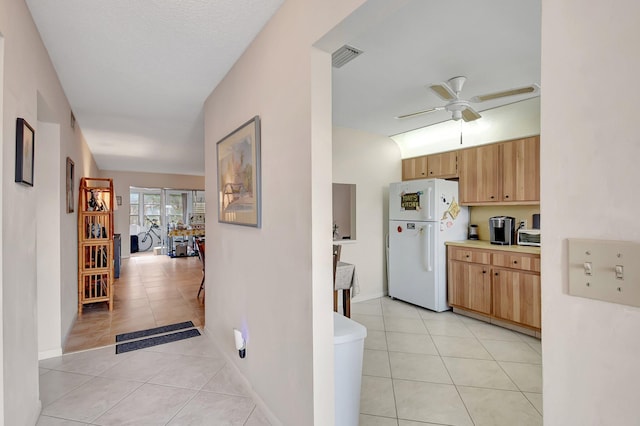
(486, 245)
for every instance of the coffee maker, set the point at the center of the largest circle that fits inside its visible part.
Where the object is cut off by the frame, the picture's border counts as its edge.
(502, 230)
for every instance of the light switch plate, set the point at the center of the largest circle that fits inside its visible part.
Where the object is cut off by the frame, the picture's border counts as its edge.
(595, 267)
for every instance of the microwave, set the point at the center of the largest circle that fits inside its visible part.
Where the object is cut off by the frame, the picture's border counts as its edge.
(529, 237)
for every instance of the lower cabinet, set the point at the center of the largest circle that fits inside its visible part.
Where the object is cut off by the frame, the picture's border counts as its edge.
(482, 281)
(470, 286)
(516, 297)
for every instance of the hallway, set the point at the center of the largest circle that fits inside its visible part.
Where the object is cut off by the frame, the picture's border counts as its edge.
(152, 290)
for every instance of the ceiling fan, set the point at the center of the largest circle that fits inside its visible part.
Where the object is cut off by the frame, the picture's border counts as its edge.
(461, 108)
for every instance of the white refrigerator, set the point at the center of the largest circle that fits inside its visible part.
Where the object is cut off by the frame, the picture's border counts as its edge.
(423, 214)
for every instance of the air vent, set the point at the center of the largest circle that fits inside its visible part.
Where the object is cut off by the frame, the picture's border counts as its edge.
(343, 55)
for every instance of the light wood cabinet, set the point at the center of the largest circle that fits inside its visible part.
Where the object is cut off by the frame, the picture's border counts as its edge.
(470, 286)
(480, 177)
(516, 296)
(521, 170)
(507, 172)
(496, 283)
(414, 168)
(443, 166)
(95, 242)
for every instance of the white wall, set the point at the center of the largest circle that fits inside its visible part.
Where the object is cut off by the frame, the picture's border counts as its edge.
(589, 156)
(123, 180)
(516, 120)
(275, 282)
(31, 90)
(48, 226)
(371, 162)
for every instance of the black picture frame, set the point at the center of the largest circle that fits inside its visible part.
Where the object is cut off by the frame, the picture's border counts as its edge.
(25, 149)
(70, 182)
(239, 181)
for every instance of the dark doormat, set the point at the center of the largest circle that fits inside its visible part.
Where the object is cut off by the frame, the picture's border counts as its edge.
(152, 331)
(157, 340)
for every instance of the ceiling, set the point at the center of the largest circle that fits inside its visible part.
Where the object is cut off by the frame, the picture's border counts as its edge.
(137, 73)
(494, 43)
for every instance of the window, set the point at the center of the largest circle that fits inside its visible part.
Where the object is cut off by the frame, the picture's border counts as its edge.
(175, 208)
(151, 209)
(134, 208)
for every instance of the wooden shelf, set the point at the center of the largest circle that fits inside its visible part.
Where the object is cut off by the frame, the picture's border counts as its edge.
(95, 242)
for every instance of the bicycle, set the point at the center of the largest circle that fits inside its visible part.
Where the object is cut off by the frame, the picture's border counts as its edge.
(146, 239)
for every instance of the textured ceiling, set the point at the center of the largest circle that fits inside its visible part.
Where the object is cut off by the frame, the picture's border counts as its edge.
(138, 72)
(494, 43)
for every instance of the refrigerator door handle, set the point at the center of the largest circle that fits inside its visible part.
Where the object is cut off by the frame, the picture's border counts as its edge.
(432, 205)
(428, 241)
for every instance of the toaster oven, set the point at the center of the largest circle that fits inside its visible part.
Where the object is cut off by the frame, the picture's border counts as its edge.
(529, 237)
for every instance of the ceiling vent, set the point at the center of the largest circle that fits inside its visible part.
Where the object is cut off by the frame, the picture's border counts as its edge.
(343, 55)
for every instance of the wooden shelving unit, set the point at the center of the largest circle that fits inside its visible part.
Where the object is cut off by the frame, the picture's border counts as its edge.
(95, 242)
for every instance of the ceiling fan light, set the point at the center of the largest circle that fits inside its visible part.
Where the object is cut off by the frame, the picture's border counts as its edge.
(456, 115)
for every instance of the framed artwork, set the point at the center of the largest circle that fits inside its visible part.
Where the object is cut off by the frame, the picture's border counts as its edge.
(71, 172)
(25, 145)
(238, 157)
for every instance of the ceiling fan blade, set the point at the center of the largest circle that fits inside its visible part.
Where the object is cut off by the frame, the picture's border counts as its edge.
(470, 114)
(527, 90)
(415, 114)
(443, 91)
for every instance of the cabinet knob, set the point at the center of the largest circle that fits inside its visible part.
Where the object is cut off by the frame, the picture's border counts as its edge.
(430, 173)
(484, 272)
(506, 196)
(468, 256)
(497, 274)
(492, 197)
(515, 262)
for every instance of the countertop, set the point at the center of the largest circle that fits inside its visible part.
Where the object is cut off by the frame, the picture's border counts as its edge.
(486, 245)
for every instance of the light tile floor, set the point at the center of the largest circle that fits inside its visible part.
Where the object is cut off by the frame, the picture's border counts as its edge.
(419, 367)
(180, 383)
(427, 368)
(151, 291)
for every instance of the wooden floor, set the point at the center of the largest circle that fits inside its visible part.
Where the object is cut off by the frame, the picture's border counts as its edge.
(152, 290)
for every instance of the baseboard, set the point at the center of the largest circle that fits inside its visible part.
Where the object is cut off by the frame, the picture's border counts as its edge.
(35, 415)
(273, 420)
(52, 353)
(364, 298)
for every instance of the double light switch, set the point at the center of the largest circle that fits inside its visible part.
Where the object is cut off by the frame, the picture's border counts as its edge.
(605, 270)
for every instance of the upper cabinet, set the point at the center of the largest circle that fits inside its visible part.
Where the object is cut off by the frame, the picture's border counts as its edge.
(480, 174)
(414, 168)
(507, 172)
(443, 166)
(521, 170)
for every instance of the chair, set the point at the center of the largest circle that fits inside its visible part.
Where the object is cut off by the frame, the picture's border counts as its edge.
(200, 245)
(336, 258)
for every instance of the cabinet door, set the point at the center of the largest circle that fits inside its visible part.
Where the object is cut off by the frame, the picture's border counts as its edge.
(470, 286)
(414, 168)
(480, 174)
(521, 170)
(516, 297)
(443, 165)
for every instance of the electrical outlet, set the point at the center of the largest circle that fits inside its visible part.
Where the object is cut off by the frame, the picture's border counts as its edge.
(523, 224)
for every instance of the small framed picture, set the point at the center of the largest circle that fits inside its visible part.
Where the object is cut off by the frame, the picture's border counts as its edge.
(70, 183)
(25, 145)
(119, 199)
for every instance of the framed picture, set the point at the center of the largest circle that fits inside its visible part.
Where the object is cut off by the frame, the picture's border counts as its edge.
(239, 175)
(71, 173)
(25, 140)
